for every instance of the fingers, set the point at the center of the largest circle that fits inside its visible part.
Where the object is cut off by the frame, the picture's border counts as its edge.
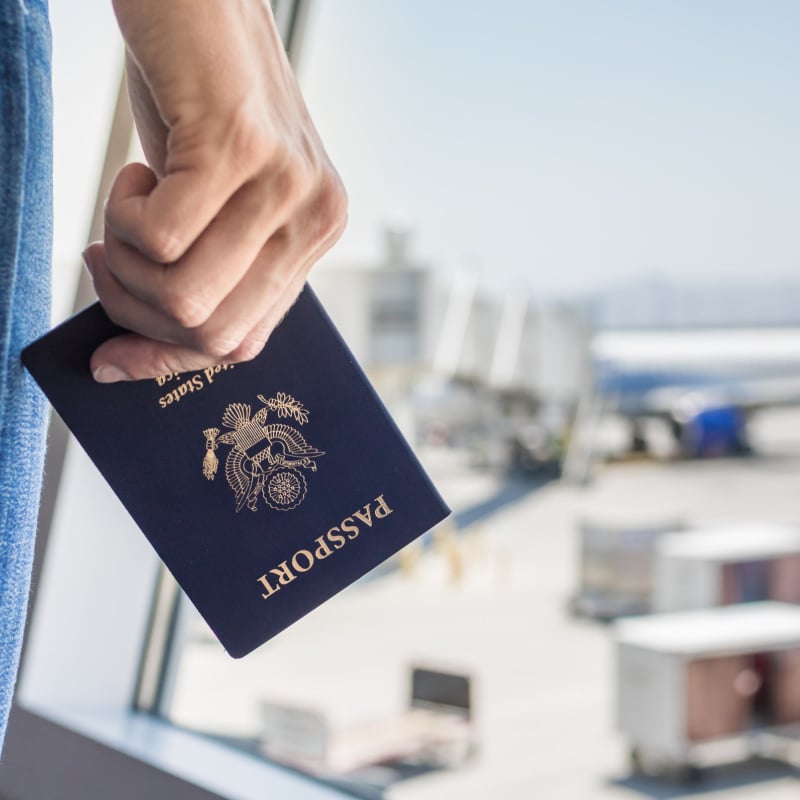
(134, 357)
(190, 289)
(234, 317)
(257, 337)
(240, 324)
(163, 218)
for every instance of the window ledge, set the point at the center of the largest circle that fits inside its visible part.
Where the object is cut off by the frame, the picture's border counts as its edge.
(66, 754)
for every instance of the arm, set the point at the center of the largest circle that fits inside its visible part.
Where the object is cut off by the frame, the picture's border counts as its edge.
(207, 247)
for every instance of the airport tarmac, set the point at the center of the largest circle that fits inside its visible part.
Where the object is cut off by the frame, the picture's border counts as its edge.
(492, 601)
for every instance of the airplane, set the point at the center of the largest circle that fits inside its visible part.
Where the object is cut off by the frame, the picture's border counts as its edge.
(705, 384)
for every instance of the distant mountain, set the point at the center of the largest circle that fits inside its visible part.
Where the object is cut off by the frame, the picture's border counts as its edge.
(661, 304)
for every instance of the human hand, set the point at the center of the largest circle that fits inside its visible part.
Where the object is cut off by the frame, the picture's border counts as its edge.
(206, 249)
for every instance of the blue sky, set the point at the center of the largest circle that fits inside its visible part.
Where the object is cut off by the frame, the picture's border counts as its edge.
(569, 144)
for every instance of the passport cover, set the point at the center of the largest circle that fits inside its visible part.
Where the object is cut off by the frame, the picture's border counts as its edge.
(265, 487)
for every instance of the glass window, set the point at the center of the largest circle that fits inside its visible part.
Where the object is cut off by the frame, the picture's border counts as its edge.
(571, 272)
(569, 253)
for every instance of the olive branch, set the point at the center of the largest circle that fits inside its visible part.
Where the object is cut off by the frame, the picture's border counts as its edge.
(285, 406)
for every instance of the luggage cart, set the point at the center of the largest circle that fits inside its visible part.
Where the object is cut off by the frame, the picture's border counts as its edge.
(615, 566)
(725, 565)
(695, 687)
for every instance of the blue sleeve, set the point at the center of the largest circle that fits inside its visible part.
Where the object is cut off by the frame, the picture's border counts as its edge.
(25, 253)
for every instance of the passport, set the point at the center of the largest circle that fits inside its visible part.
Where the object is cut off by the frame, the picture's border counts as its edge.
(265, 487)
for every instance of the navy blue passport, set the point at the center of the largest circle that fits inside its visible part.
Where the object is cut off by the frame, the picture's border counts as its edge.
(265, 487)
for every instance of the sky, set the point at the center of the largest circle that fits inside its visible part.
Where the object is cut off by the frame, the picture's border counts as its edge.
(570, 144)
(565, 145)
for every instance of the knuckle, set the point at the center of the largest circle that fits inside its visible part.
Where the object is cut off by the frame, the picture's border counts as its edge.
(333, 200)
(251, 149)
(160, 364)
(161, 244)
(275, 282)
(297, 182)
(247, 350)
(249, 142)
(216, 344)
(187, 310)
(292, 181)
(331, 207)
(295, 171)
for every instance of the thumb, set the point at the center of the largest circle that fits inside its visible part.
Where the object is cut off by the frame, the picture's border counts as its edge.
(134, 357)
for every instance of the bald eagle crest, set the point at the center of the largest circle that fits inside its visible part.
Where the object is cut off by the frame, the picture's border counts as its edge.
(267, 459)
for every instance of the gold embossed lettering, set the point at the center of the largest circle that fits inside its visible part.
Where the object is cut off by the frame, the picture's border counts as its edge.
(192, 383)
(323, 548)
(349, 527)
(284, 574)
(264, 581)
(365, 515)
(162, 379)
(336, 539)
(382, 509)
(307, 557)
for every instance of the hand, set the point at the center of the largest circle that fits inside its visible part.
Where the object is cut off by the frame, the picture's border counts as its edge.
(206, 249)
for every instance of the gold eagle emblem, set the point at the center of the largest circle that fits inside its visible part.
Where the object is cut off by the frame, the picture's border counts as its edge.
(265, 460)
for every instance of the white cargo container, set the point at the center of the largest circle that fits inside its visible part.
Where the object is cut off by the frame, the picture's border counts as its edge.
(726, 565)
(694, 678)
